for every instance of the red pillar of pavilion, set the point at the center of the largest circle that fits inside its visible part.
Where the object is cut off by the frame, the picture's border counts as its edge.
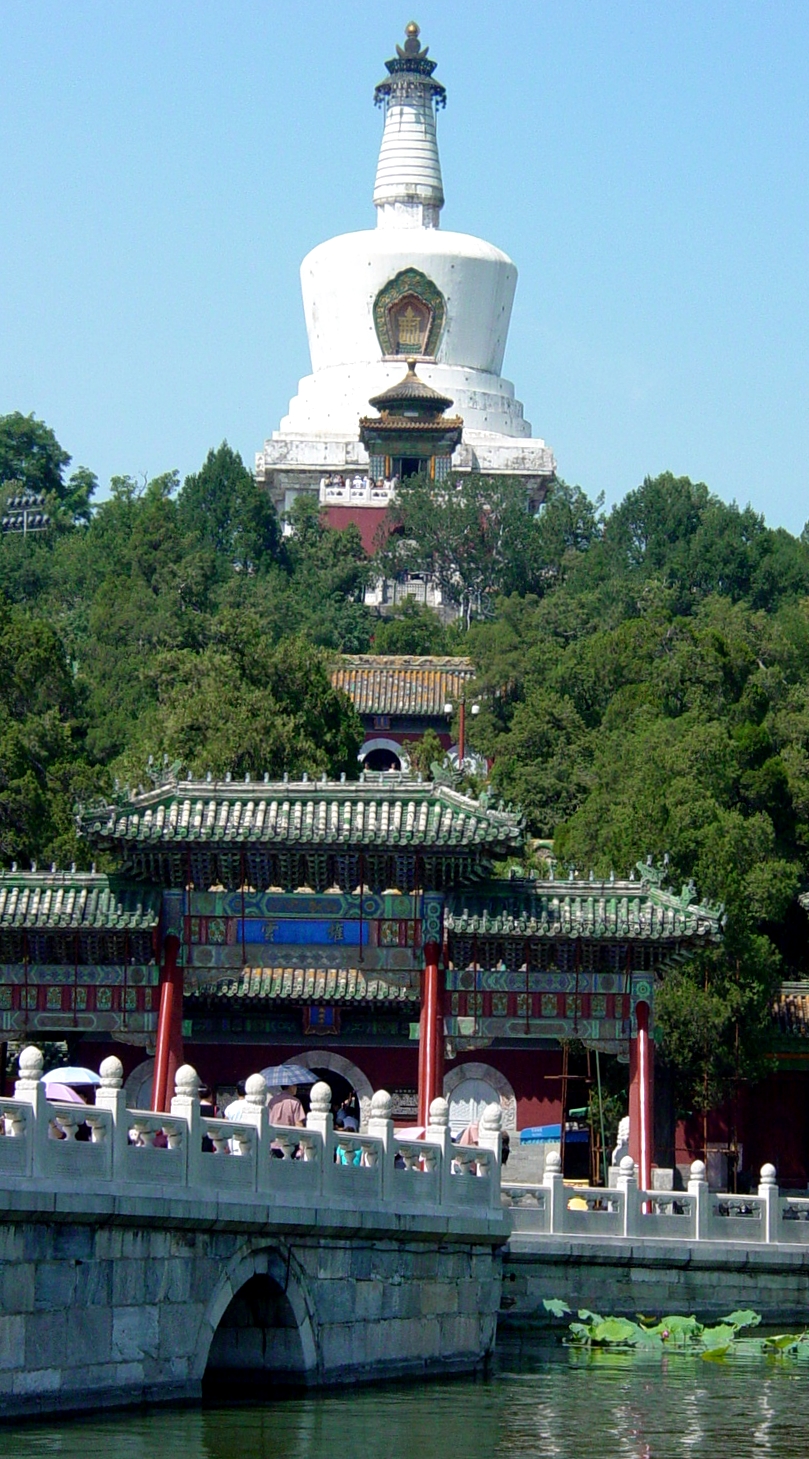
(641, 1098)
(431, 1033)
(169, 1051)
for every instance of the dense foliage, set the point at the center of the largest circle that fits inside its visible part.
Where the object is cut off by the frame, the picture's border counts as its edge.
(170, 621)
(650, 697)
(643, 678)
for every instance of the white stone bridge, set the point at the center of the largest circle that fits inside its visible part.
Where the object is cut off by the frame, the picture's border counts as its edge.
(168, 1250)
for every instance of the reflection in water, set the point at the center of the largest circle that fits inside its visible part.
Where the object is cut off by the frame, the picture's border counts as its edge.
(541, 1403)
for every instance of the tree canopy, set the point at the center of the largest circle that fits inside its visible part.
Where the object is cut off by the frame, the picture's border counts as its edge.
(643, 677)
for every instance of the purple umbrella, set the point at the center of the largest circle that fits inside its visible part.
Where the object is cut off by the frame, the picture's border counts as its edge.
(62, 1093)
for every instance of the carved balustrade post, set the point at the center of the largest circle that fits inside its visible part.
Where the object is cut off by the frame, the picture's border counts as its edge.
(698, 1188)
(320, 1120)
(254, 1112)
(628, 1184)
(29, 1089)
(110, 1096)
(490, 1137)
(555, 1186)
(185, 1105)
(380, 1125)
(771, 1196)
(438, 1134)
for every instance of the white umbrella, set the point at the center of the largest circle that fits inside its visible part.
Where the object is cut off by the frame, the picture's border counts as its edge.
(278, 1075)
(70, 1074)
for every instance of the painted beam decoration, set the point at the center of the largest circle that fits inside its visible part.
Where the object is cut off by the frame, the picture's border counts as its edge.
(304, 947)
(78, 951)
(565, 959)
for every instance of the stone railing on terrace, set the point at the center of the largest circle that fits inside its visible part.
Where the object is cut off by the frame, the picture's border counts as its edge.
(693, 1215)
(145, 1153)
(357, 491)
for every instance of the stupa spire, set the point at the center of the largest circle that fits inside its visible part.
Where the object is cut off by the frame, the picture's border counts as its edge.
(408, 191)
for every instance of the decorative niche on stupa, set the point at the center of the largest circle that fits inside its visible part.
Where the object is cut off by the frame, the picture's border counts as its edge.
(409, 316)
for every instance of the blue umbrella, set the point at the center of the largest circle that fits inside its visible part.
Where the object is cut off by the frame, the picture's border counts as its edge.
(70, 1074)
(282, 1074)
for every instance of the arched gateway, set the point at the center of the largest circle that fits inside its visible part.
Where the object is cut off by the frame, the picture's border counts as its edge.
(363, 915)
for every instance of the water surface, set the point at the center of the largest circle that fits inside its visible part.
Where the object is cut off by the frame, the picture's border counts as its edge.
(539, 1401)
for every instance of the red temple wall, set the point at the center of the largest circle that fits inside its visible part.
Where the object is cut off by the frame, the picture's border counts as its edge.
(534, 1074)
(367, 519)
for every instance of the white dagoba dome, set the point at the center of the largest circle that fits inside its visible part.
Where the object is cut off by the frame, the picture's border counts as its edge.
(405, 290)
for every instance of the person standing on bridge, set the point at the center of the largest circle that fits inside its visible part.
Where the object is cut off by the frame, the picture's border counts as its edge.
(286, 1109)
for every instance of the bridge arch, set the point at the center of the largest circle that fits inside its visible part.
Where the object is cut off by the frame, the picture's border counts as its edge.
(259, 1325)
(325, 1059)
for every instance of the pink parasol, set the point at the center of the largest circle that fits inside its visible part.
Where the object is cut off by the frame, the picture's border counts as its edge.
(63, 1094)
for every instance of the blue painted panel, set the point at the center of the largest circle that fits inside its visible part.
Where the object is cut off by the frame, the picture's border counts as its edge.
(283, 929)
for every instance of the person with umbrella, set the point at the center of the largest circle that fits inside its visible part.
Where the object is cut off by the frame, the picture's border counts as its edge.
(284, 1107)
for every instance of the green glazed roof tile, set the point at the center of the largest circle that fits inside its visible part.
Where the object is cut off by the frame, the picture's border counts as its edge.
(379, 812)
(304, 985)
(76, 901)
(598, 909)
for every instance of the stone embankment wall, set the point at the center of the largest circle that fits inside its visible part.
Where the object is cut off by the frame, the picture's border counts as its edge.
(654, 1277)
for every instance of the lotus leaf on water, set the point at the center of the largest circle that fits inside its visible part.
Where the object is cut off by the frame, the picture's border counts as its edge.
(685, 1334)
(555, 1306)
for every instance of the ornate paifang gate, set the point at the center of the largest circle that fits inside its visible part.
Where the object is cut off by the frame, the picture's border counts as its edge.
(331, 894)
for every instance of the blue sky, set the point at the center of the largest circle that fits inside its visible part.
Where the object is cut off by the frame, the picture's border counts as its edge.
(166, 167)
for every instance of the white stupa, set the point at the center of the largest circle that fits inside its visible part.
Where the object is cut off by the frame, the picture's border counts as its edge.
(404, 291)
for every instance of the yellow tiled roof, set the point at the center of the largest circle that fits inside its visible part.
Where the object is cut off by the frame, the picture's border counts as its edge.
(400, 684)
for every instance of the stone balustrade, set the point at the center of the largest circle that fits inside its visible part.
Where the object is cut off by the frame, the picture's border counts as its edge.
(185, 1151)
(357, 491)
(694, 1215)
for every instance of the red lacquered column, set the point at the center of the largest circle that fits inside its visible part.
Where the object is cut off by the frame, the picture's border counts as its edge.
(169, 1051)
(431, 1043)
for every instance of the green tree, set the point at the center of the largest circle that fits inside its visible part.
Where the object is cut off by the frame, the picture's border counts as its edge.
(224, 507)
(466, 534)
(41, 760)
(412, 629)
(250, 709)
(32, 458)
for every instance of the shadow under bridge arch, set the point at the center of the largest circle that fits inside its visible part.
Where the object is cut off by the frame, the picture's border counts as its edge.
(258, 1334)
